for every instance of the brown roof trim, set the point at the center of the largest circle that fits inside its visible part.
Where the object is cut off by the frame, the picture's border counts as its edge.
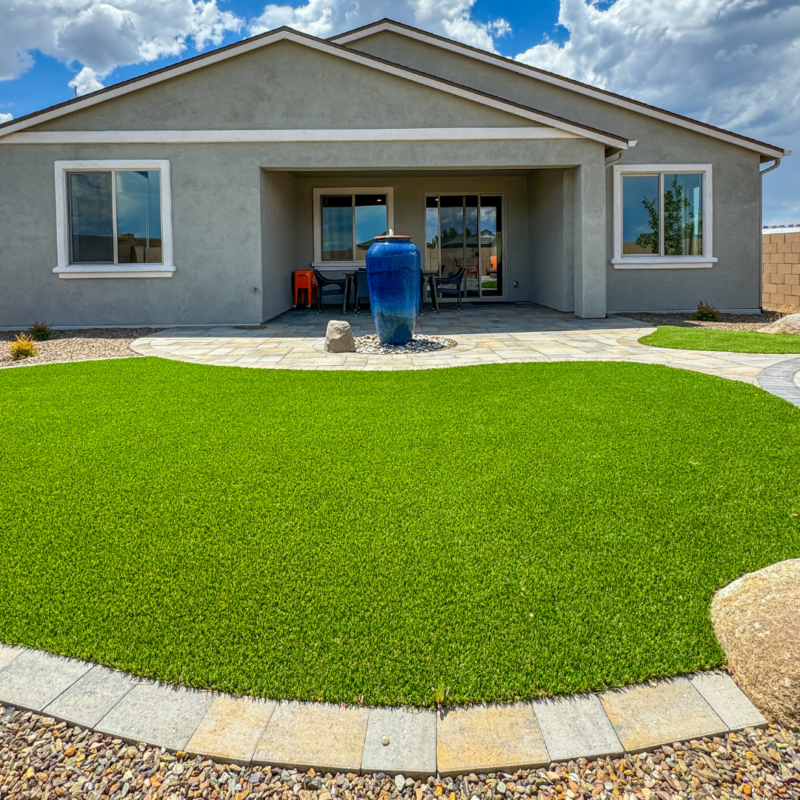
(505, 61)
(198, 59)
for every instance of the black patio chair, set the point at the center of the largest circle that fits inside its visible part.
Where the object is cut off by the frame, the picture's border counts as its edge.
(332, 286)
(456, 284)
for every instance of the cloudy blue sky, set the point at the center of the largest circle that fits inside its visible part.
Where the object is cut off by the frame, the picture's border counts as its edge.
(733, 63)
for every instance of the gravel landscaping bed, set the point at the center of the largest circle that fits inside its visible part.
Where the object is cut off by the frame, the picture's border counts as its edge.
(42, 758)
(726, 322)
(419, 344)
(82, 345)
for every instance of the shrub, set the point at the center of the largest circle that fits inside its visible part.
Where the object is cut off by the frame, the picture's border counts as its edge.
(706, 311)
(23, 347)
(40, 331)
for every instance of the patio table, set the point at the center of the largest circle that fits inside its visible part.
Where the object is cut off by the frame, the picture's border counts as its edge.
(430, 275)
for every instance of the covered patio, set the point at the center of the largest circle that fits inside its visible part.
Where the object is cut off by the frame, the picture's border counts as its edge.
(484, 333)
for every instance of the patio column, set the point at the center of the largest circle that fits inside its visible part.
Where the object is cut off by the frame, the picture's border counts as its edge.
(590, 239)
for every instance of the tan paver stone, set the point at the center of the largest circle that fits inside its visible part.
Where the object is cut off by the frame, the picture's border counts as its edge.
(489, 737)
(305, 735)
(232, 728)
(649, 716)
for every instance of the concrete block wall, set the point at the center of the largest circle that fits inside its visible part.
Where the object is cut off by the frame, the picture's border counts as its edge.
(780, 259)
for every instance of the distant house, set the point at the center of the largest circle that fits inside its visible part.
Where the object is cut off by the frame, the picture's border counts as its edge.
(190, 194)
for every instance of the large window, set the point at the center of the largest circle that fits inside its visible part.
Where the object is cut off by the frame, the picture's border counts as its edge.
(113, 219)
(346, 222)
(662, 216)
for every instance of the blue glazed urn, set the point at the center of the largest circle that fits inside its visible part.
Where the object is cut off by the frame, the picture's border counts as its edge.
(393, 276)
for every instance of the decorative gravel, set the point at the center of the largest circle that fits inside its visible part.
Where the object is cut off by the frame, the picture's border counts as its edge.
(371, 345)
(41, 758)
(82, 345)
(726, 322)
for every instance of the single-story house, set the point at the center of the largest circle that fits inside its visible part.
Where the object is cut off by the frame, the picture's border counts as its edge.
(190, 195)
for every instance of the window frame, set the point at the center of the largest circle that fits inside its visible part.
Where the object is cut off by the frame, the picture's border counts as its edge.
(66, 269)
(318, 193)
(706, 261)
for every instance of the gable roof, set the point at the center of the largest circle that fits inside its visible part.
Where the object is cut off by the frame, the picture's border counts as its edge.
(768, 150)
(287, 34)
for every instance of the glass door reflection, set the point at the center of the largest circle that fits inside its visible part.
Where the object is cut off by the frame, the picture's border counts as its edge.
(466, 231)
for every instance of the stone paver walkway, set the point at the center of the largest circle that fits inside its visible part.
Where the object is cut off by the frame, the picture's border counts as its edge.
(415, 743)
(488, 334)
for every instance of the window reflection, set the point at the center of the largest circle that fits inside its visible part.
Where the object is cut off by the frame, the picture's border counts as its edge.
(683, 218)
(138, 217)
(640, 214)
(337, 228)
(91, 217)
(371, 221)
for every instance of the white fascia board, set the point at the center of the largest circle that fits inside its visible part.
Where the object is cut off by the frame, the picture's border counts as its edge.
(287, 136)
(323, 46)
(555, 80)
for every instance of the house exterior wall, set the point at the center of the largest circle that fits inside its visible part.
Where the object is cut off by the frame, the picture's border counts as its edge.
(733, 282)
(228, 221)
(781, 271)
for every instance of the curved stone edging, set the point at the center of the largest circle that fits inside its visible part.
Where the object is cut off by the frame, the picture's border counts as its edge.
(781, 380)
(414, 742)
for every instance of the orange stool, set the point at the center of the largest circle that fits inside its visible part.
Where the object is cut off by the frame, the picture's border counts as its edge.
(304, 281)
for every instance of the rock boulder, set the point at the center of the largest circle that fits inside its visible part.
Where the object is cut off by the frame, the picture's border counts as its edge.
(757, 621)
(788, 324)
(339, 337)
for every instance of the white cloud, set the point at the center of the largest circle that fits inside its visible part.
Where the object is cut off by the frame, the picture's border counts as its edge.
(100, 35)
(733, 63)
(85, 81)
(450, 18)
(6, 117)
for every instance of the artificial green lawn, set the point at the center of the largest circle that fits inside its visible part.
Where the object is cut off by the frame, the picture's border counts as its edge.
(510, 530)
(714, 339)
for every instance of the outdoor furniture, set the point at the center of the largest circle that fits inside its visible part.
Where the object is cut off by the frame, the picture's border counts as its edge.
(332, 286)
(360, 288)
(304, 281)
(430, 276)
(454, 282)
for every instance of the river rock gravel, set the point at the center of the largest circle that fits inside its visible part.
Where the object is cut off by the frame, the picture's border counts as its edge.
(81, 345)
(41, 758)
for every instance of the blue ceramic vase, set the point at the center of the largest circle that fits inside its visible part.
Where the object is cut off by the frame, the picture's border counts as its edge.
(393, 276)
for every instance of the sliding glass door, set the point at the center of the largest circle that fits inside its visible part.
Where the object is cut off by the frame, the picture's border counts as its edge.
(466, 232)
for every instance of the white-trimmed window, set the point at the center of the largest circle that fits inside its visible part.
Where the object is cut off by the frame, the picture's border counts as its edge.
(662, 216)
(346, 222)
(114, 219)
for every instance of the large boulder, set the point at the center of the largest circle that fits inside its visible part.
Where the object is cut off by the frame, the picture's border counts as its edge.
(757, 621)
(339, 337)
(788, 324)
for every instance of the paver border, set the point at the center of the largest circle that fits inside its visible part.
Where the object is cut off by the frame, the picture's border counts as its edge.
(412, 742)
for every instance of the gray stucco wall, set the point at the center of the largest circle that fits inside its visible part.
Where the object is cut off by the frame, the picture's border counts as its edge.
(551, 231)
(734, 281)
(278, 241)
(284, 86)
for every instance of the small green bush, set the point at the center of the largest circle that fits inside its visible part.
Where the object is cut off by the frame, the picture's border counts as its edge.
(707, 312)
(23, 347)
(40, 331)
